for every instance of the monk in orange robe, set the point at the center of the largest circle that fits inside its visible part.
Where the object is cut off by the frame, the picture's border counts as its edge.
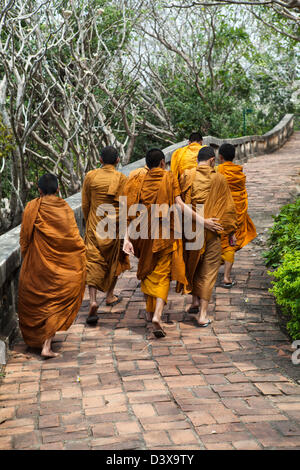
(202, 185)
(185, 158)
(245, 231)
(52, 277)
(106, 260)
(160, 254)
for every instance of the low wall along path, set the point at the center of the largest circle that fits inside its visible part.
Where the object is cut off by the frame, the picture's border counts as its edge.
(229, 386)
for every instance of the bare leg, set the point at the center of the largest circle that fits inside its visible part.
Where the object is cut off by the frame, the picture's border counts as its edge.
(46, 350)
(93, 301)
(110, 297)
(202, 317)
(227, 271)
(156, 320)
(195, 301)
(149, 315)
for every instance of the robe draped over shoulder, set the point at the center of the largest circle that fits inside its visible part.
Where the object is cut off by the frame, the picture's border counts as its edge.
(105, 258)
(245, 231)
(53, 271)
(202, 185)
(185, 158)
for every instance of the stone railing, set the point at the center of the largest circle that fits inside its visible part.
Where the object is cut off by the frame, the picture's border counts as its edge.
(10, 258)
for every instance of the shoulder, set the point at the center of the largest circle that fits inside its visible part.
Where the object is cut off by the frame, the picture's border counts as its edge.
(31, 205)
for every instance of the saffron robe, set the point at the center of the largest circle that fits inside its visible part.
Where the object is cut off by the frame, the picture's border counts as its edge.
(160, 259)
(142, 170)
(105, 257)
(245, 231)
(52, 276)
(202, 185)
(185, 158)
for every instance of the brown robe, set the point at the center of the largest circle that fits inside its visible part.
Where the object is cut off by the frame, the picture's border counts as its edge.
(202, 185)
(52, 277)
(105, 258)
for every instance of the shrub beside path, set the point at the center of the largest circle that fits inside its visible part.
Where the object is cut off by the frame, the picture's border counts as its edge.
(229, 386)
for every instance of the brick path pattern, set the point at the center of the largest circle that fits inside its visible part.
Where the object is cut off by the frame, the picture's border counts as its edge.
(229, 386)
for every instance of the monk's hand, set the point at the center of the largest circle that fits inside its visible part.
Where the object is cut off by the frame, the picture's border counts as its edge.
(213, 225)
(128, 247)
(232, 239)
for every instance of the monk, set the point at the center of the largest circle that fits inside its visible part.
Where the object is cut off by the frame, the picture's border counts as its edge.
(105, 258)
(160, 258)
(52, 277)
(202, 185)
(185, 158)
(245, 231)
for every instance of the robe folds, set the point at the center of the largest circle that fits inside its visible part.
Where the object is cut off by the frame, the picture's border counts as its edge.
(245, 231)
(105, 257)
(143, 170)
(160, 259)
(202, 185)
(185, 158)
(53, 271)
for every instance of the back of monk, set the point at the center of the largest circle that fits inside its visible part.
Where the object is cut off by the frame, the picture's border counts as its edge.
(52, 277)
(245, 231)
(105, 258)
(185, 158)
(160, 259)
(202, 185)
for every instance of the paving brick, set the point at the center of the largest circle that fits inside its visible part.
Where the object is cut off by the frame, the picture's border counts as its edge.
(183, 436)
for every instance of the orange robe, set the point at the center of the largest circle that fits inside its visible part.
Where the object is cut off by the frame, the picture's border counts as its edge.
(52, 277)
(245, 231)
(105, 258)
(185, 158)
(202, 185)
(160, 259)
(135, 172)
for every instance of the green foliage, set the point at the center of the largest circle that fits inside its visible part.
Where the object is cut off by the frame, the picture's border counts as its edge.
(6, 141)
(284, 236)
(287, 290)
(284, 254)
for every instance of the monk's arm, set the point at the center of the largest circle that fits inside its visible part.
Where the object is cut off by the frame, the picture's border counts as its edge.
(85, 198)
(24, 234)
(210, 224)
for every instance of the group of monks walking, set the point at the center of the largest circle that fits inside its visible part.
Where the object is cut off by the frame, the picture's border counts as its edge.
(57, 264)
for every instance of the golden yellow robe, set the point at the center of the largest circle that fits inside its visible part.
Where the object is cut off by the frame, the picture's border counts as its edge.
(160, 259)
(105, 257)
(52, 276)
(185, 158)
(202, 185)
(245, 231)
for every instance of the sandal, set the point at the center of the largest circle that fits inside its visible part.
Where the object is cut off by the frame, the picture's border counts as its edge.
(115, 302)
(201, 325)
(193, 310)
(92, 319)
(159, 333)
(227, 285)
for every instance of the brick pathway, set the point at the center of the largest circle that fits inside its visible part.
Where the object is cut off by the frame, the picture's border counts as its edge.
(230, 386)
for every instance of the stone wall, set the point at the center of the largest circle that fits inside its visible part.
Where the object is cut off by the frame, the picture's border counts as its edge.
(10, 258)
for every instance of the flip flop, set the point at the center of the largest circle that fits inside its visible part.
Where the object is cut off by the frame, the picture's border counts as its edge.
(92, 319)
(227, 285)
(159, 333)
(193, 310)
(202, 325)
(119, 299)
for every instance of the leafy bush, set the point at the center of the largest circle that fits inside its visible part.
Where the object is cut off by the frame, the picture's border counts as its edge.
(284, 254)
(287, 290)
(284, 236)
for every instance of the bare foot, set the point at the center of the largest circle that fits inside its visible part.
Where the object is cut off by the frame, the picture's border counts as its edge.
(48, 353)
(93, 308)
(156, 325)
(149, 316)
